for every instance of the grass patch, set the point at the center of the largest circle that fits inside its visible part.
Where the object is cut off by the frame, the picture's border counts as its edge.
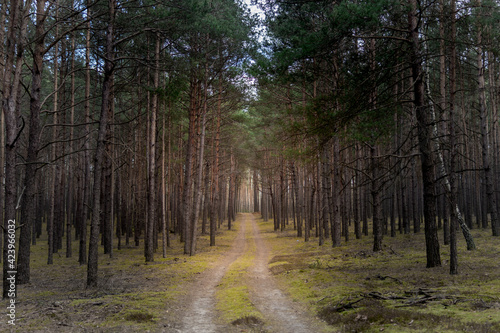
(233, 300)
(251, 322)
(139, 317)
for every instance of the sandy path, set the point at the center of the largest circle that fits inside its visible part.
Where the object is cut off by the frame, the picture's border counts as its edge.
(200, 315)
(280, 314)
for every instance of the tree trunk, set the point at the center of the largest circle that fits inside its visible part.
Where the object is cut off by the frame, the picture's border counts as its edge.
(28, 204)
(453, 146)
(355, 194)
(298, 199)
(424, 141)
(71, 161)
(149, 241)
(452, 204)
(82, 251)
(230, 195)
(11, 83)
(215, 173)
(187, 201)
(485, 142)
(255, 182)
(337, 185)
(198, 186)
(164, 189)
(99, 154)
(376, 200)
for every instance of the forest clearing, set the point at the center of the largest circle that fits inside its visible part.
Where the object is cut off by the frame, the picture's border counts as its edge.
(250, 165)
(350, 287)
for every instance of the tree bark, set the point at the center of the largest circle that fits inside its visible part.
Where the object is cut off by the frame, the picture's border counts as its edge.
(149, 241)
(198, 186)
(485, 142)
(336, 218)
(231, 189)
(187, 201)
(424, 141)
(28, 202)
(14, 55)
(453, 146)
(376, 200)
(92, 266)
(82, 250)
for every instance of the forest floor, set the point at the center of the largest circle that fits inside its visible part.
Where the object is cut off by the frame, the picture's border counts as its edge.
(259, 280)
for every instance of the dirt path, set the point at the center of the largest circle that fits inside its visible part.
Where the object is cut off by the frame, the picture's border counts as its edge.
(280, 314)
(200, 315)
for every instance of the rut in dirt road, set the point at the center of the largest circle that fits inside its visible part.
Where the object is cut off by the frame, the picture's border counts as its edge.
(200, 316)
(279, 313)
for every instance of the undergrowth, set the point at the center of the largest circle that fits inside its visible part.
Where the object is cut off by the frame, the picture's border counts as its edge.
(350, 287)
(356, 290)
(132, 296)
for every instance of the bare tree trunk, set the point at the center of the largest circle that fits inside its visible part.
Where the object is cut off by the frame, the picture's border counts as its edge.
(442, 103)
(298, 199)
(51, 224)
(320, 202)
(14, 54)
(337, 185)
(99, 155)
(310, 220)
(255, 182)
(453, 146)
(72, 179)
(282, 194)
(355, 194)
(485, 142)
(206, 200)
(164, 202)
(452, 205)
(3, 13)
(494, 128)
(424, 140)
(376, 200)
(231, 188)
(82, 251)
(29, 199)
(198, 186)
(215, 173)
(149, 241)
(187, 202)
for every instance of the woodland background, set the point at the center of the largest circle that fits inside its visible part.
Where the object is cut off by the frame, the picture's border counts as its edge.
(153, 120)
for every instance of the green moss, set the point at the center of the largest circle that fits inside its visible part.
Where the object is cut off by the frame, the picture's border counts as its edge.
(234, 303)
(130, 293)
(232, 295)
(323, 277)
(278, 263)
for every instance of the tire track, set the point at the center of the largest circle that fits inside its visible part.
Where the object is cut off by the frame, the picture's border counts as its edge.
(200, 315)
(281, 314)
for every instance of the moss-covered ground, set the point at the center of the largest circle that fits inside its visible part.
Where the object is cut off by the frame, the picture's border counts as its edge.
(350, 287)
(356, 290)
(132, 295)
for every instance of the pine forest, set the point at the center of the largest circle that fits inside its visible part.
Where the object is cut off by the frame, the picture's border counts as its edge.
(250, 166)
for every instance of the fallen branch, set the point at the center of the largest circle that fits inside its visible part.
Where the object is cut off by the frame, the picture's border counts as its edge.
(347, 306)
(381, 277)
